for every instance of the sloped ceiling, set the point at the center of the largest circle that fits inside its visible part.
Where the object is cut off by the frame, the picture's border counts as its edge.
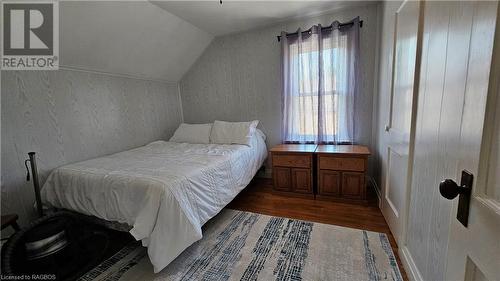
(161, 40)
(129, 38)
(235, 16)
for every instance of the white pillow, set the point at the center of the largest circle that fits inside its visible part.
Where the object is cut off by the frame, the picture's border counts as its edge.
(233, 132)
(192, 133)
(261, 134)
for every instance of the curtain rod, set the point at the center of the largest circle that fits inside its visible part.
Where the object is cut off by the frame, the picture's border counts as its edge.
(323, 28)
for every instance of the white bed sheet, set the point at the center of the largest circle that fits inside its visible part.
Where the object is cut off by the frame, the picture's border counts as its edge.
(165, 190)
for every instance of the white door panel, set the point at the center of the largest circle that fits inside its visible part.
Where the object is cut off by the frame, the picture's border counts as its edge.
(454, 80)
(395, 196)
(401, 117)
(475, 250)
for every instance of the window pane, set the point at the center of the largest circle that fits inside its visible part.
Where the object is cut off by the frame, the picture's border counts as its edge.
(304, 86)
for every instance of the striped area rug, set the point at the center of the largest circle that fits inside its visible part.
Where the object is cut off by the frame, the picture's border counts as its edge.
(247, 246)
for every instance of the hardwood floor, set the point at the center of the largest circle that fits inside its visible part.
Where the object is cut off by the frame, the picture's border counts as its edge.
(258, 197)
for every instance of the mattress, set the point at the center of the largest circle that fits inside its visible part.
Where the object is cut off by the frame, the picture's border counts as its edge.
(165, 190)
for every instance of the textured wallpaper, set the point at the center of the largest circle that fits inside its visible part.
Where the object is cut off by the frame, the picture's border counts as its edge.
(238, 76)
(69, 116)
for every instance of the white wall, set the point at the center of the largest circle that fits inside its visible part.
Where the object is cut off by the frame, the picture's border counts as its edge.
(134, 38)
(68, 116)
(237, 78)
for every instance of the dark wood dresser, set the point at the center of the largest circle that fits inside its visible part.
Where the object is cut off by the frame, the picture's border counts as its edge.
(341, 171)
(293, 168)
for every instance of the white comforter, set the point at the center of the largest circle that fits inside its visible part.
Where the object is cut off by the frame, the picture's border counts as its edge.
(166, 191)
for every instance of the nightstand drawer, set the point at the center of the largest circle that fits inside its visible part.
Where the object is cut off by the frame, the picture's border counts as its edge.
(342, 164)
(295, 161)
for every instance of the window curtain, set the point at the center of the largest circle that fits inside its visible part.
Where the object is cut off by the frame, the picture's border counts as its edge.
(320, 80)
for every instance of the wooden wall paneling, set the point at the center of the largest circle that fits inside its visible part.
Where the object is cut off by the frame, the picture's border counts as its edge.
(69, 116)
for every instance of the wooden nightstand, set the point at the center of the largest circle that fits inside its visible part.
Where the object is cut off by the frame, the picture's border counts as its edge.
(293, 168)
(342, 171)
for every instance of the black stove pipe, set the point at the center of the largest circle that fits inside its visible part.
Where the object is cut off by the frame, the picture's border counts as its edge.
(36, 184)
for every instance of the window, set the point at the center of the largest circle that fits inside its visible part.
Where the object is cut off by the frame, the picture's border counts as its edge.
(319, 84)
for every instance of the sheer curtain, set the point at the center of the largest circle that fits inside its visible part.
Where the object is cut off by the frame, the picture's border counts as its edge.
(320, 79)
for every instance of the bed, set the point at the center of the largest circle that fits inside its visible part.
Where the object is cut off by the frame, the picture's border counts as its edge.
(164, 190)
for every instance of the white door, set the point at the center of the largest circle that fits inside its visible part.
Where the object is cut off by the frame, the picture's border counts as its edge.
(402, 116)
(455, 76)
(474, 251)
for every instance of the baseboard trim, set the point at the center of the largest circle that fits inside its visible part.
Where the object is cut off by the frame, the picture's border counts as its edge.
(410, 267)
(379, 196)
(377, 191)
